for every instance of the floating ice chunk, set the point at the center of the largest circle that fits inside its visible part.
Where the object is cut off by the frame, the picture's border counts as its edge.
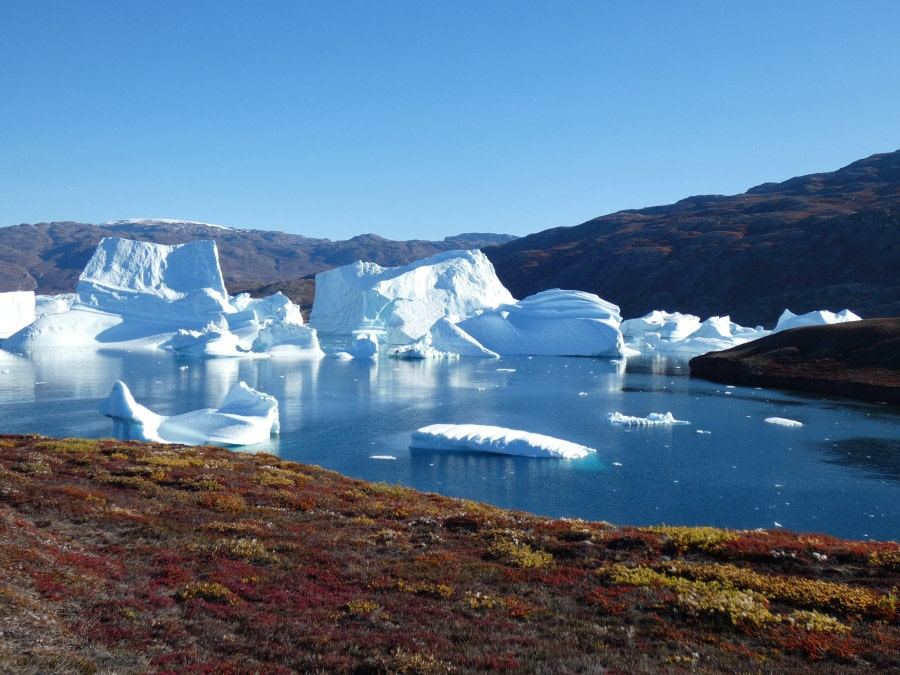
(214, 340)
(499, 440)
(17, 310)
(363, 347)
(784, 422)
(276, 307)
(287, 339)
(653, 419)
(821, 317)
(384, 457)
(419, 350)
(246, 416)
(714, 334)
(552, 323)
(405, 301)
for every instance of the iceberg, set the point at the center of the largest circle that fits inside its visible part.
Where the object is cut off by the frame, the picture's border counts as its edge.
(821, 317)
(404, 302)
(444, 339)
(783, 422)
(364, 346)
(714, 334)
(653, 419)
(552, 323)
(498, 440)
(17, 310)
(136, 294)
(648, 331)
(181, 283)
(53, 304)
(213, 340)
(246, 416)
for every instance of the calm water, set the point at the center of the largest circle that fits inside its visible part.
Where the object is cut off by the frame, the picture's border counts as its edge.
(839, 473)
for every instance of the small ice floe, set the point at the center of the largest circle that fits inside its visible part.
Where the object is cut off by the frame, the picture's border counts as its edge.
(784, 422)
(777, 524)
(702, 431)
(617, 463)
(506, 370)
(183, 368)
(653, 419)
(483, 438)
(385, 457)
(582, 393)
(246, 416)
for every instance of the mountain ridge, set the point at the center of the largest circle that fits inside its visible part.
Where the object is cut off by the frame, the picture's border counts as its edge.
(825, 240)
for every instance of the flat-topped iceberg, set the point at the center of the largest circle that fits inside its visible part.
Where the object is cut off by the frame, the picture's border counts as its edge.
(213, 340)
(651, 420)
(783, 422)
(552, 323)
(364, 346)
(181, 283)
(482, 438)
(405, 302)
(246, 416)
(17, 310)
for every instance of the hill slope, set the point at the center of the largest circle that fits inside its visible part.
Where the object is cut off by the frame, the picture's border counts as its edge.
(127, 557)
(828, 240)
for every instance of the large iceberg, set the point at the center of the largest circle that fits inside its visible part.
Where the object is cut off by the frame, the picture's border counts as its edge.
(554, 323)
(482, 438)
(181, 283)
(405, 302)
(136, 294)
(17, 310)
(246, 416)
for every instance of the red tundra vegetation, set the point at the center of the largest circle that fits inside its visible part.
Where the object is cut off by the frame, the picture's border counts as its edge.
(132, 557)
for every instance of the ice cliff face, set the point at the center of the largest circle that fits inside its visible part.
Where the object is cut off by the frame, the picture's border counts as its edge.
(136, 278)
(17, 310)
(406, 301)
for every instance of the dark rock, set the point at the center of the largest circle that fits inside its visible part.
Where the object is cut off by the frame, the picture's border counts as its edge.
(858, 359)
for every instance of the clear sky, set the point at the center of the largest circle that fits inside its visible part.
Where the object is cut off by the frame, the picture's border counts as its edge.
(422, 119)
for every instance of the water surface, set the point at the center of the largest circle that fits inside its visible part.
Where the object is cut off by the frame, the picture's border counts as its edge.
(839, 473)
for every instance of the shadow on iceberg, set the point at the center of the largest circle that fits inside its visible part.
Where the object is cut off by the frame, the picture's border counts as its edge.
(246, 416)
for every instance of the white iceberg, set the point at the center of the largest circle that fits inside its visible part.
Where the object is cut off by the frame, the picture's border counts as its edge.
(653, 419)
(444, 339)
(246, 416)
(552, 323)
(181, 284)
(656, 326)
(53, 304)
(783, 422)
(714, 334)
(364, 347)
(820, 317)
(213, 340)
(498, 440)
(404, 302)
(134, 293)
(17, 310)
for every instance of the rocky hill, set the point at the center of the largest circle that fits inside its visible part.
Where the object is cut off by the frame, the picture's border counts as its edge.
(827, 240)
(48, 257)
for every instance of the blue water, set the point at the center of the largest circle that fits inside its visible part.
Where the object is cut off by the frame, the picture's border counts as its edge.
(839, 473)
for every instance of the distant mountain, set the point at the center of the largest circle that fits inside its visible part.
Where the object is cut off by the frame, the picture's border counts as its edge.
(48, 257)
(824, 241)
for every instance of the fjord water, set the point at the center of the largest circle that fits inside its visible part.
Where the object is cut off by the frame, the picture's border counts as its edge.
(839, 473)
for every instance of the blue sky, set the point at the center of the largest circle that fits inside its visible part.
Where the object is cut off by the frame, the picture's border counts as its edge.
(422, 119)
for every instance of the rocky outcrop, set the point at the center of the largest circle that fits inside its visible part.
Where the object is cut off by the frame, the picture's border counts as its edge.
(859, 359)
